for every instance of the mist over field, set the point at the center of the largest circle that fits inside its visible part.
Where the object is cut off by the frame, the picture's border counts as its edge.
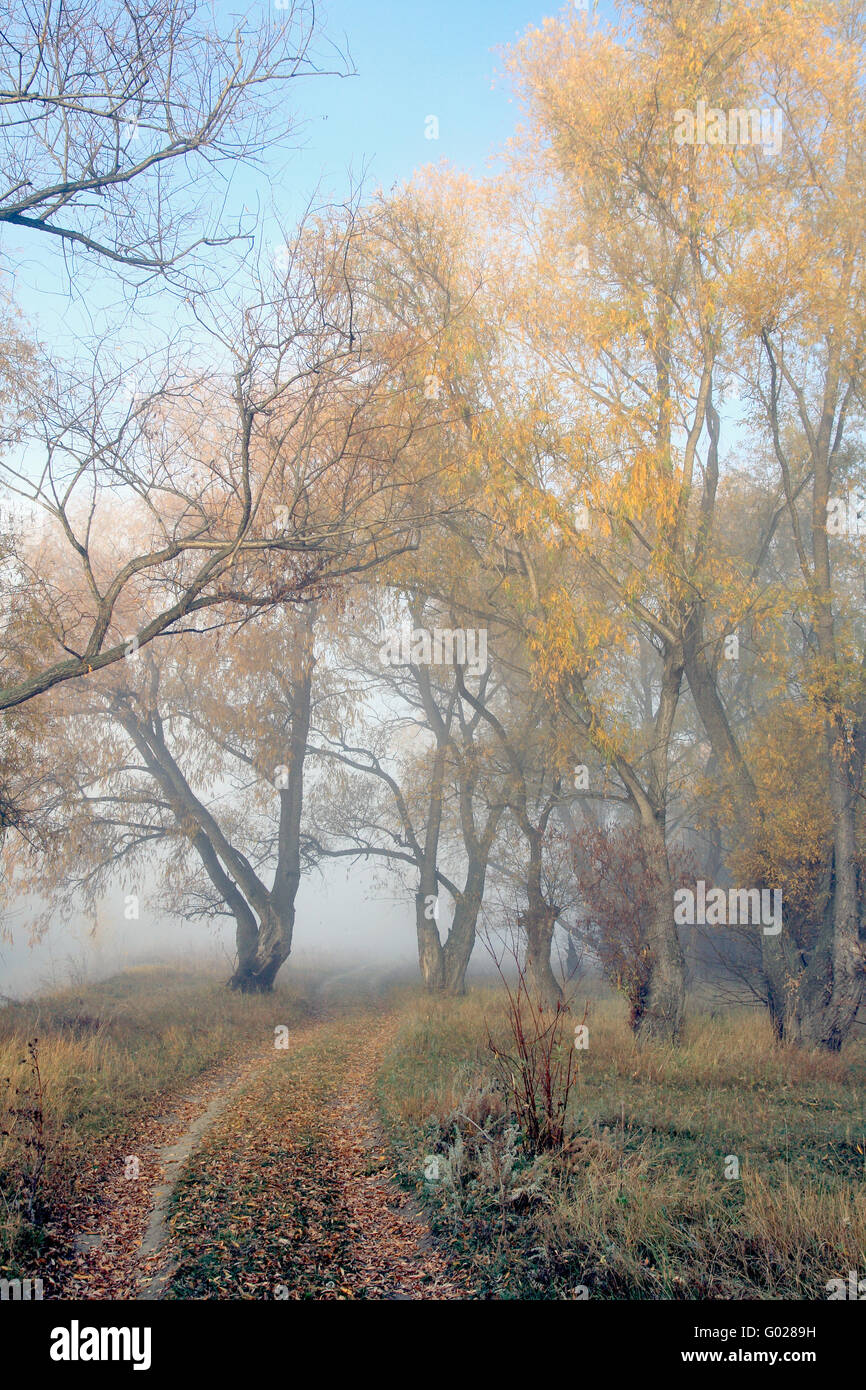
(338, 925)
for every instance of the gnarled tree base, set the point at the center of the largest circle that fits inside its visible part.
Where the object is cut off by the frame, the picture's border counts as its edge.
(256, 978)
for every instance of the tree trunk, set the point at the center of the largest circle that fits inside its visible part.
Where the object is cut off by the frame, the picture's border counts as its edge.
(813, 996)
(461, 938)
(541, 982)
(814, 987)
(255, 974)
(661, 1017)
(460, 942)
(572, 959)
(257, 969)
(829, 989)
(429, 944)
(261, 947)
(538, 922)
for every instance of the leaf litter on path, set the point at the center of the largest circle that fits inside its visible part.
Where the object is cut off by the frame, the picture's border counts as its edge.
(278, 1183)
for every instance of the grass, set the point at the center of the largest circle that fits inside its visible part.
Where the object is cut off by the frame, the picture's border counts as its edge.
(105, 1052)
(639, 1206)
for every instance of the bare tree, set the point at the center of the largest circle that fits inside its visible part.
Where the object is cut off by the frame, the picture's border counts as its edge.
(416, 790)
(188, 759)
(260, 484)
(111, 114)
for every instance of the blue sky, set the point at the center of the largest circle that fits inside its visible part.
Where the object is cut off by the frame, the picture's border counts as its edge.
(413, 60)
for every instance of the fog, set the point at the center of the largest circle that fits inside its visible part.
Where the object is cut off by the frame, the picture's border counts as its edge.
(345, 917)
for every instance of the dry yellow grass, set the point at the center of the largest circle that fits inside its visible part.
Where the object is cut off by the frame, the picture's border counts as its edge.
(642, 1206)
(104, 1052)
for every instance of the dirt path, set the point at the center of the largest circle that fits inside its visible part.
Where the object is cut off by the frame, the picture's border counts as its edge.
(153, 1257)
(120, 1246)
(391, 1243)
(125, 1249)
